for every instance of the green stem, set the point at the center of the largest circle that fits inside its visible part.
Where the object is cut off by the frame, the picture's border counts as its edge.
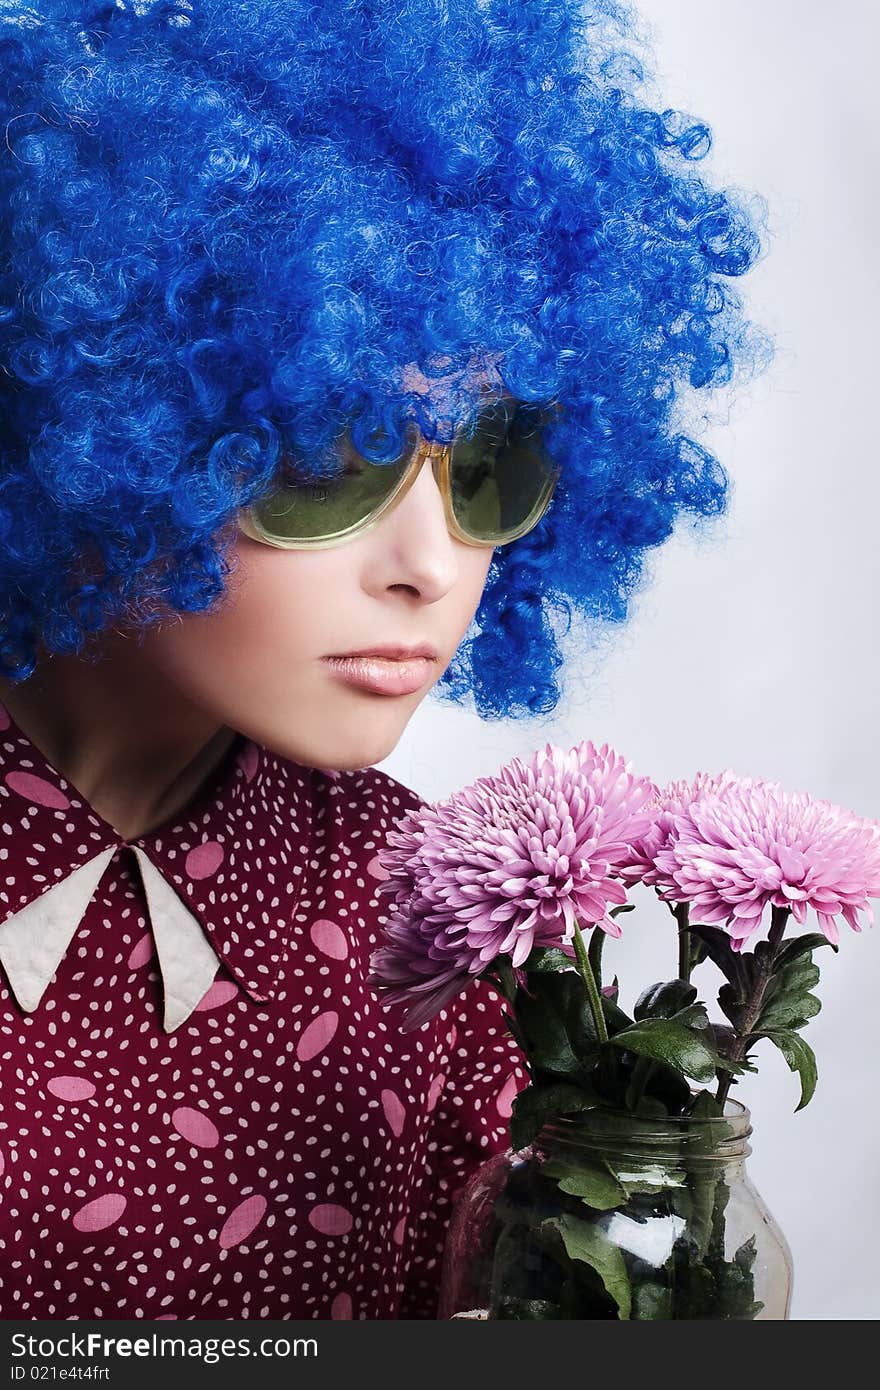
(589, 979)
(594, 955)
(504, 978)
(640, 1074)
(752, 1006)
(685, 963)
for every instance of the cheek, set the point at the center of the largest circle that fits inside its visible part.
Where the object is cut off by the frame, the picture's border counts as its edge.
(276, 596)
(275, 605)
(474, 562)
(300, 586)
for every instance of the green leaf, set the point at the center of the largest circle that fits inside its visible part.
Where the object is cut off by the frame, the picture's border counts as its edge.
(668, 1040)
(593, 1182)
(614, 987)
(789, 951)
(800, 1058)
(546, 959)
(693, 1016)
(594, 954)
(515, 1031)
(650, 1107)
(557, 1025)
(704, 1106)
(589, 1244)
(664, 999)
(724, 1038)
(695, 1289)
(652, 1301)
(699, 951)
(735, 1293)
(635, 1087)
(615, 1018)
(503, 968)
(736, 966)
(534, 1105)
(718, 1290)
(666, 1086)
(788, 1002)
(644, 1179)
(700, 1200)
(732, 1004)
(745, 1255)
(526, 1309)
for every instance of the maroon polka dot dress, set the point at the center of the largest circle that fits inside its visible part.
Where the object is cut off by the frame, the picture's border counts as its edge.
(205, 1111)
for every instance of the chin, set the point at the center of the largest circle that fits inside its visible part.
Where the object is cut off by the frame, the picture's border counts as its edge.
(353, 759)
(341, 750)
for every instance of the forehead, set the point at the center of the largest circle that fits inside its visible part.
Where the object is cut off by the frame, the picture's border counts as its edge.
(481, 379)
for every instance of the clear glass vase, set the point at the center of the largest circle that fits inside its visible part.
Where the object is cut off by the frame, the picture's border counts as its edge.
(606, 1215)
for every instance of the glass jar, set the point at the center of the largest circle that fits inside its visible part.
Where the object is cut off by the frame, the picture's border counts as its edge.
(606, 1215)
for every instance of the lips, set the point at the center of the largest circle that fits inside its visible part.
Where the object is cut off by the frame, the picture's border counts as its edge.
(392, 652)
(381, 674)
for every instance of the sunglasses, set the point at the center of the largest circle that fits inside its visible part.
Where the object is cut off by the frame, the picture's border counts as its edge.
(495, 477)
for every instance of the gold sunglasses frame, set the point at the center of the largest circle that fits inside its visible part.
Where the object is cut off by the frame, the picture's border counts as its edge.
(441, 457)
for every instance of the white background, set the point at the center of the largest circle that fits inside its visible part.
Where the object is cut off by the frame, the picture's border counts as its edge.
(757, 648)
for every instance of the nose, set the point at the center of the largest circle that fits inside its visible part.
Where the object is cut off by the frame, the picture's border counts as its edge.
(419, 550)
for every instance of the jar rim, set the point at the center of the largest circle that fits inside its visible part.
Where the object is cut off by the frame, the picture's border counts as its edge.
(725, 1135)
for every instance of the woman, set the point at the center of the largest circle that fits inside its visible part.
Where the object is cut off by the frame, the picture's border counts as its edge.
(261, 262)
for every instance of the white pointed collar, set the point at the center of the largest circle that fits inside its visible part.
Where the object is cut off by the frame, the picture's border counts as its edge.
(221, 881)
(34, 941)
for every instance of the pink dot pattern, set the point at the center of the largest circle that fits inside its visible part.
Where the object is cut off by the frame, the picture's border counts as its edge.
(286, 1152)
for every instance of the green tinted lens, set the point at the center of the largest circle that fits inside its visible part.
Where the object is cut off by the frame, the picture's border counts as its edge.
(321, 508)
(501, 475)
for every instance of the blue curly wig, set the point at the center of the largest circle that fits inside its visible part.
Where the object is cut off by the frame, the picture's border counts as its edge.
(226, 225)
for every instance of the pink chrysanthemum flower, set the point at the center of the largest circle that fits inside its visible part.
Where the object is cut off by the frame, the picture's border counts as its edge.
(507, 864)
(745, 844)
(672, 801)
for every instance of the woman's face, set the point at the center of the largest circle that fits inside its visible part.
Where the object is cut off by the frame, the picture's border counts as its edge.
(259, 663)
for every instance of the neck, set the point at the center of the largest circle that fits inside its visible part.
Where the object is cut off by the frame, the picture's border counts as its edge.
(132, 745)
